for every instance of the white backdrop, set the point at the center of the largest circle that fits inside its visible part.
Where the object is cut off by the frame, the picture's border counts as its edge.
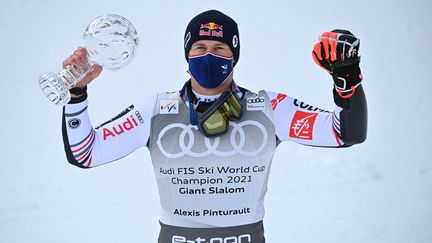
(376, 192)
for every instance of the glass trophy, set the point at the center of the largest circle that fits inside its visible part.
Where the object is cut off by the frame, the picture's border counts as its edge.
(111, 41)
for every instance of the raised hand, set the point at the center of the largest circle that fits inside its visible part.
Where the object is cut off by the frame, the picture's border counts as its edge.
(337, 52)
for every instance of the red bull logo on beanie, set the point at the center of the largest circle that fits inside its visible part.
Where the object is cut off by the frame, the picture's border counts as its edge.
(211, 26)
(211, 29)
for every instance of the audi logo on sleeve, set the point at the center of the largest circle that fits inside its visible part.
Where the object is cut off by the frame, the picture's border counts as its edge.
(188, 140)
(138, 115)
(129, 124)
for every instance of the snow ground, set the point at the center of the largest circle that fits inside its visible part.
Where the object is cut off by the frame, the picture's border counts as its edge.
(376, 192)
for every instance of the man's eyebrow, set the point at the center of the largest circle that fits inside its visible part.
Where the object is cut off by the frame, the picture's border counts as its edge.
(198, 44)
(220, 44)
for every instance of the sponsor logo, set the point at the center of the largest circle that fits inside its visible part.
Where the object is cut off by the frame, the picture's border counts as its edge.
(255, 100)
(74, 123)
(138, 115)
(279, 98)
(302, 125)
(211, 26)
(187, 39)
(235, 41)
(211, 29)
(224, 69)
(129, 124)
(353, 49)
(245, 238)
(123, 113)
(306, 106)
(255, 104)
(188, 139)
(168, 107)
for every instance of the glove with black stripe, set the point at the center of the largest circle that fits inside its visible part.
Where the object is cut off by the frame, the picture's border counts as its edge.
(337, 53)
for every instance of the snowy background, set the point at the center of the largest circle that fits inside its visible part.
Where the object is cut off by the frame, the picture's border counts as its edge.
(376, 192)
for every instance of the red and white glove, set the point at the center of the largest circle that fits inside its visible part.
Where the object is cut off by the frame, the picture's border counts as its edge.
(337, 52)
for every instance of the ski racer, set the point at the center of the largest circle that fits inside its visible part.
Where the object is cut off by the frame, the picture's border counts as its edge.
(211, 142)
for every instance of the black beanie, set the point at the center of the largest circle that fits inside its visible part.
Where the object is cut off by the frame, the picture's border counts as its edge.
(213, 25)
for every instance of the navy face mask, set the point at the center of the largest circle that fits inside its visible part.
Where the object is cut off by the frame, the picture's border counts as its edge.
(210, 70)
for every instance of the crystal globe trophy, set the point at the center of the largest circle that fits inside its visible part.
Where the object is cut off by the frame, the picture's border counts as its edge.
(111, 41)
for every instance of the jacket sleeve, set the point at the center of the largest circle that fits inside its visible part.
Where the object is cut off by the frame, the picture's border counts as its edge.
(353, 117)
(86, 146)
(302, 123)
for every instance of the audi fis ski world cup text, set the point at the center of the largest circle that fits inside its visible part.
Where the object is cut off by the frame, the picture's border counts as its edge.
(218, 181)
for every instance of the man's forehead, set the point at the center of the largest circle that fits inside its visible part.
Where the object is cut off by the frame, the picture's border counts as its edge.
(209, 42)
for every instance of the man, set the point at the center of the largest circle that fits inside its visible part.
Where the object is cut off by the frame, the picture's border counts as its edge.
(212, 142)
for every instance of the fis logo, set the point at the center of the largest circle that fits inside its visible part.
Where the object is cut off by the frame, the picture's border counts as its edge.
(302, 125)
(168, 107)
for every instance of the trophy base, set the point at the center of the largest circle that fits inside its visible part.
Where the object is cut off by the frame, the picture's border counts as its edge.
(54, 88)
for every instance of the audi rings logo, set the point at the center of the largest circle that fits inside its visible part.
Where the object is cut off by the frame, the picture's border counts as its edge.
(74, 123)
(255, 100)
(186, 141)
(138, 115)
